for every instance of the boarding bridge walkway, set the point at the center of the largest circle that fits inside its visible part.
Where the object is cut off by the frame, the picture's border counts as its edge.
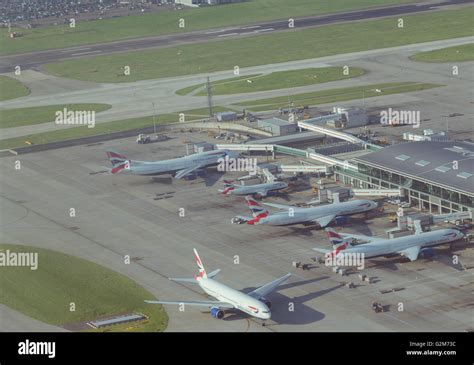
(377, 192)
(309, 124)
(289, 151)
(452, 216)
(305, 168)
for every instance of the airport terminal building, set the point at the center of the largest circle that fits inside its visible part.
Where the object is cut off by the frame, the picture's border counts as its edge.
(436, 177)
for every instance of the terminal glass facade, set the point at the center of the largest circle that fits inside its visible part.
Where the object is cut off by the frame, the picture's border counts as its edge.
(421, 194)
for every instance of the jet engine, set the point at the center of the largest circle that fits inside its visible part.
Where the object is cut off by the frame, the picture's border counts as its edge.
(217, 313)
(266, 302)
(427, 252)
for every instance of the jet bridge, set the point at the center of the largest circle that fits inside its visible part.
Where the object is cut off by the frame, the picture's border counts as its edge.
(451, 217)
(246, 147)
(309, 125)
(377, 192)
(305, 168)
(289, 151)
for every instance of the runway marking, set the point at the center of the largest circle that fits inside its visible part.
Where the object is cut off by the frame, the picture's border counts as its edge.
(400, 320)
(226, 35)
(221, 30)
(252, 27)
(216, 31)
(264, 30)
(75, 49)
(82, 53)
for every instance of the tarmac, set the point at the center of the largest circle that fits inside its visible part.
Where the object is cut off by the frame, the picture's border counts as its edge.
(117, 215)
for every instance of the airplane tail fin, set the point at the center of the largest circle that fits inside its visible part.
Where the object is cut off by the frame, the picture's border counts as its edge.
(119, 162)
(227, 189)
(202, 272)
(337, 241)
(258, 211)
(115, 158)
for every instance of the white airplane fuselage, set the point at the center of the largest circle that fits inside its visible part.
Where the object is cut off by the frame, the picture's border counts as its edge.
(302, 215)
(204, 159)
(385, 247)
(241, 301)
(257, 188)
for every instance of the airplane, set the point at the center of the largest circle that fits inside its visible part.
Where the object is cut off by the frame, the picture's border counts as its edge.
(408, 246)
(179, 167)
(260, 190)
(323, 215)
(254, 303)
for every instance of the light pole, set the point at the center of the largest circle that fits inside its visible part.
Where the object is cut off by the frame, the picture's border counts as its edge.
(154, 118)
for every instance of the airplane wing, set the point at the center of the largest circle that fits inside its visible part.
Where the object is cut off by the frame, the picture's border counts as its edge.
(184, 280)
(194, 281)
(411, 252)
(324, 221)
(268, 288)
(204, 303)
(268, 175)
(281, 206)
(359, 237)
(182, 173)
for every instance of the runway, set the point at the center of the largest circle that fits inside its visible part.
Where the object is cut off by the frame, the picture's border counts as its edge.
(35, 59)
(130, 100)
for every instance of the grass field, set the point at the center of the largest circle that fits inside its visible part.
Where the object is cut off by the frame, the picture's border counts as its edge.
(451, 54)
(281, 80)
(151, 24)
(335, 95)
(42, 114)
(11, 88)
(267, 49)
(46, 293)
(63, 134)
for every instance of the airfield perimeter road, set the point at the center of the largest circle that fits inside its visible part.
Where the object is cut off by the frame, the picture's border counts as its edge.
(117, 215)
(135, 99)
(32, 60)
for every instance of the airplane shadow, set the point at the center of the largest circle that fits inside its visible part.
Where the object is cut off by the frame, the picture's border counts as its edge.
(306, 231)
(291, 231)
(388, 263)
(164, 180)
(361, 224)
(444, 255)
(282, 305)
(284, 196)
(212, 178)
